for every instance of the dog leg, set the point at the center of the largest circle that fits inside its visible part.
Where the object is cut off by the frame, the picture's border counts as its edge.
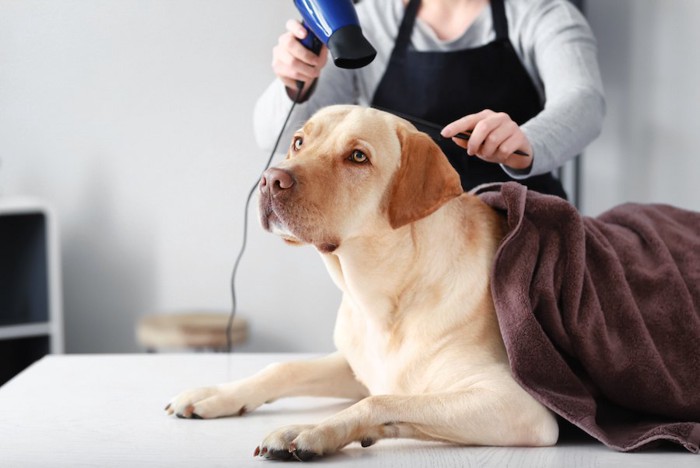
(329, 376)
(471, 417)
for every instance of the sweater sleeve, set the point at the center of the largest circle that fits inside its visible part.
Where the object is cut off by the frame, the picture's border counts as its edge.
(563, 50)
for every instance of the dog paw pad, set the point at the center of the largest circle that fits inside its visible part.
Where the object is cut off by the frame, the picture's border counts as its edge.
(279, 454)
(303, 455)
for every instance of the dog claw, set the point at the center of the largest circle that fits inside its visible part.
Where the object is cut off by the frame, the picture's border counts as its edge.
(257, 451)
(367, 442)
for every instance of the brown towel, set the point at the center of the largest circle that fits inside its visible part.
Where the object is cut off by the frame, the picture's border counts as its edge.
(601, 316)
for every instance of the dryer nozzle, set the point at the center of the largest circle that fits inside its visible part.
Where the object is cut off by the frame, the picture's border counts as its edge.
(349, 47)
(335, 24)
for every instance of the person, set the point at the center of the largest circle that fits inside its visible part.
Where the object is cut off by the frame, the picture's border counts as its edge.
(519, 74)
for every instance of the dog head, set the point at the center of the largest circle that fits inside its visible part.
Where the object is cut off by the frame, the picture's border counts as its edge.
(352, 171)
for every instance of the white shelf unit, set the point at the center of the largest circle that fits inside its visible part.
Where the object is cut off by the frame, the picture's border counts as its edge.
(31, 318)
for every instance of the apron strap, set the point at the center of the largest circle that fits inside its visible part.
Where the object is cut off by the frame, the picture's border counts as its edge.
(406, 29)
(500, 22)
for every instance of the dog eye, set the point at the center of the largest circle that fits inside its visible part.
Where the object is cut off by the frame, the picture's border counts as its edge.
(358, 156)
(296, 144)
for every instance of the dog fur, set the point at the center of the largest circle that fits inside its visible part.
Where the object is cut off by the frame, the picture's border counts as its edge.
(418, 343)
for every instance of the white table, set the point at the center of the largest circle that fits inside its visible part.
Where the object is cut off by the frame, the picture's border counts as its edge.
(107, 411)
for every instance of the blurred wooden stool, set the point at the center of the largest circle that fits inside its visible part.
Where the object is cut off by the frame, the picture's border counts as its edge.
(202, 331)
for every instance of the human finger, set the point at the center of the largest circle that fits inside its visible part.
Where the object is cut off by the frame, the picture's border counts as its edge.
(464, 124)
(517, 141)
(296, 29)
(299, 32)
(291, 44)
(490, 149)
(482, 130)
(290, 60)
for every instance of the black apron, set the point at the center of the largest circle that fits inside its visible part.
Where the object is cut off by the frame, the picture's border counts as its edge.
(445, 86)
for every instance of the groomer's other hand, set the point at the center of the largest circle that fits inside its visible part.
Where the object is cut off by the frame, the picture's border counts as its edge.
(291, 61)
(494, 138)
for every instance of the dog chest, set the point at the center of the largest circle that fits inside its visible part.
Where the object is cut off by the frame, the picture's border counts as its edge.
(383, 359)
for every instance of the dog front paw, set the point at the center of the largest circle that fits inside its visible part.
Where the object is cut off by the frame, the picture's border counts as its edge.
(300, 442)
(211, 402)
(294, 442)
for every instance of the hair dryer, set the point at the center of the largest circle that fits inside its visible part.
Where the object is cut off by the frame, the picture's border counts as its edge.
(335, 24)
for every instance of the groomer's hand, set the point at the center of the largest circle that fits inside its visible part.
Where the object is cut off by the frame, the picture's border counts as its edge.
(494, 138)
(291, 61)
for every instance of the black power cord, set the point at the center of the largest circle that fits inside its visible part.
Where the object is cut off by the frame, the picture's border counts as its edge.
(229, 326)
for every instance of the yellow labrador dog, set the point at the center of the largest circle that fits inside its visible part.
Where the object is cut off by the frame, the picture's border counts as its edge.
(417, 335)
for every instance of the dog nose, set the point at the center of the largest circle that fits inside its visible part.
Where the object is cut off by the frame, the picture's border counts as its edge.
(275, 180)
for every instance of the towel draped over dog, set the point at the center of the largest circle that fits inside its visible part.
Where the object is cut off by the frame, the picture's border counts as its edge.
(601, 316)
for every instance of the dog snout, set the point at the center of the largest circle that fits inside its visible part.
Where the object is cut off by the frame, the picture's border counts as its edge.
(275, 180)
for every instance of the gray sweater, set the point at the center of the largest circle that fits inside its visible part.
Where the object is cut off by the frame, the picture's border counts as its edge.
(551, 38)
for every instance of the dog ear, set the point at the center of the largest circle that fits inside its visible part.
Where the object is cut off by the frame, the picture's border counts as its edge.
(424, 181)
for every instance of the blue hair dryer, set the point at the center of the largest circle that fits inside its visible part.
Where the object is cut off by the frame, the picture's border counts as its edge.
(335, 24)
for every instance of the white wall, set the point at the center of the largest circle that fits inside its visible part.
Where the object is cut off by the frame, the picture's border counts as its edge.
(133, 117)
(649, 52)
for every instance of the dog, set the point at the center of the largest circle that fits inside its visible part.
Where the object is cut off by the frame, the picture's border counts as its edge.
(418, 343)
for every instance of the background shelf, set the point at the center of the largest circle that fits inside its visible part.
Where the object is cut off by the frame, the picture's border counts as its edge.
(30, 300)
